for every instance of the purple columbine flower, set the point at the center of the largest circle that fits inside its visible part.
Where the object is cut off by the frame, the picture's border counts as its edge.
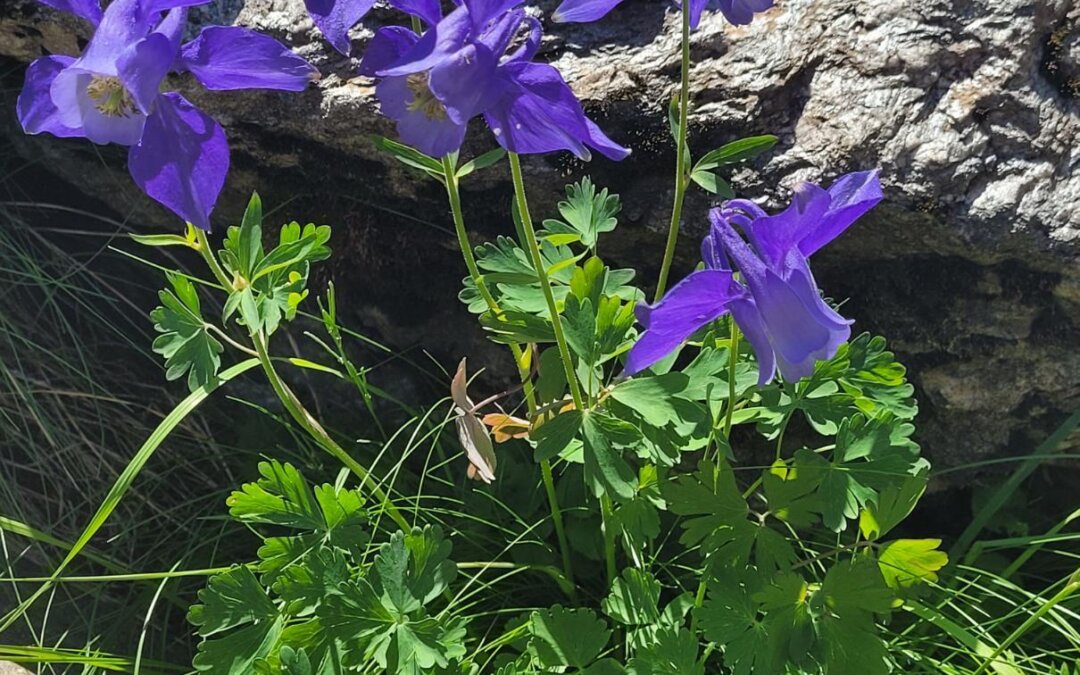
(463, 66)
(777, 304)
(112, 94)
(334, 18)
(738, 12)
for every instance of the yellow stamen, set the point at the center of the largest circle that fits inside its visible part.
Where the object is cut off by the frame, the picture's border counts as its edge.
(423, 99)
(111, 97)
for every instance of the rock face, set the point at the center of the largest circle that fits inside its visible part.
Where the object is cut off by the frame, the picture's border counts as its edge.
(971, 109)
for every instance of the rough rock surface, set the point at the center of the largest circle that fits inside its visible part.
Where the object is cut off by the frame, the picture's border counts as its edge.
(970, 107)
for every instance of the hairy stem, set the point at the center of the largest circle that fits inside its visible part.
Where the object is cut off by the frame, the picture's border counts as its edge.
(681, 179)
(545, 283)
(454, 196)
(308, 422)
(297, 410)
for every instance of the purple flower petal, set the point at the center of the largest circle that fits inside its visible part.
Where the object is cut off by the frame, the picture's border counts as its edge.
(801, 328)
(539, 114)
(737, 250)
(229, 57)
(464, 82)
(434, 46)
(529, 46)
(483, 11)
(695, 301)
(428, 10)
(153, 7)
(124, 23)
(502, 31)
(696, 8)
(388, 45)
(599, 141)
(429, 130)
(335, 17)
(182, 159)
(582, 11)
(747, 316)
(87, 9)
(773, 236)
(142, 66)
(36, 110)
(741, 12)
(850, 197)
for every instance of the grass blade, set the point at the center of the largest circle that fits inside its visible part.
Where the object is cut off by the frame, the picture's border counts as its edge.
(126, 478)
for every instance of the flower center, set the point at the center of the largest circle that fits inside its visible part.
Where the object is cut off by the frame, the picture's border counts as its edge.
(112, 99)
(423, 100)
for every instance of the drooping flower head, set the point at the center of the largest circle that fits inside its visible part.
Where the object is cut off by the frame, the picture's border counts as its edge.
(738, 12)
(112, 94)
(466, 65)
(776, 303)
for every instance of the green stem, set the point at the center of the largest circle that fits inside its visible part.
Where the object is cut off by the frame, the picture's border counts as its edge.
(453, 194)
(308, 422)
(699, 598)
(545, 283)
(1071, 587)
(733, 362)
(299, 413)
(608, 518)
(681, 179)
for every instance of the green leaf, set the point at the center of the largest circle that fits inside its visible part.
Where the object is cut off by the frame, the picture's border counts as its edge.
(606, 471)
(566, 637)
(324, 516)
(234, 601)
(674, 127)
(586, 215)
(160, 240)
(579, 326)
(791, 495)
(849, 597)
(410, 156)
(708, 501)
(551, 378)
(243, 244)
(855, 588)
(870, 456)
(485, 160)
(634, 598)
(382, 619)
(283, 497)
(184, 340)
(736, 151)
(298, 247)
(411, 570)
(713, 183)
(673, 651)
(514, 327)
(555, 435)
(730, 618)
(893, 505)
(861, 378)
(715, 516)
(906, 562)
(305, 581)
(232, 598)
(651, 396)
